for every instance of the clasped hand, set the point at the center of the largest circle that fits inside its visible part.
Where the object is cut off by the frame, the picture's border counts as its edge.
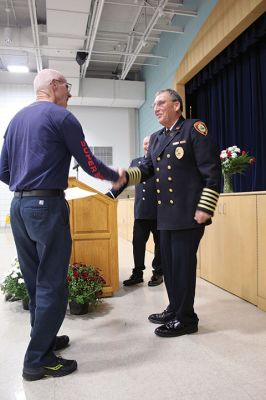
(201, 217)
(122, 180)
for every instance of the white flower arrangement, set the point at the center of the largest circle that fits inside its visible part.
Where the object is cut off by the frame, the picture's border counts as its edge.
(13, 283)
(234, 160)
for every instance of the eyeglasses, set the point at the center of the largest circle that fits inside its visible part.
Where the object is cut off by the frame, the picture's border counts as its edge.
(67, 85)
(161, 103)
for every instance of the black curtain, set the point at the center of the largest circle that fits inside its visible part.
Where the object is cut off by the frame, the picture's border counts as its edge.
(229, 94)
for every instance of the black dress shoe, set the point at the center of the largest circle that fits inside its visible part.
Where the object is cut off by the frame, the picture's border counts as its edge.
(162, 318)
(175, 328)
(155, 280)
(60, 367)
(133, 280)
(61, 342)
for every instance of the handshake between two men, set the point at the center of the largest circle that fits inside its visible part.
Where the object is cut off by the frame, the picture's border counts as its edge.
(131, 176)
(122, 180)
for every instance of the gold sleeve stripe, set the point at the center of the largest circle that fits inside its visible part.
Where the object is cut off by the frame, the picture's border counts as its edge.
(210, 195)
(204, 203)
(208, 200)
(134, 176)
(210, 191)
(208, 208)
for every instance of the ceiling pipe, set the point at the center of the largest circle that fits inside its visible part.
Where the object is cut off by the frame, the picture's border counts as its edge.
(98, 39)
(157, 14)
(106, 33)
(96, 16)
(121, 40)
(46, 48)
(131, 4)
(121, 62)
(186, 12)
(115, 53)
(13, 9)
(168, 30)
(35, 33)
(130, 39)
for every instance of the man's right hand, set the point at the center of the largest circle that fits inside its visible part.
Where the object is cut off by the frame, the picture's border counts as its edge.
(122, 180)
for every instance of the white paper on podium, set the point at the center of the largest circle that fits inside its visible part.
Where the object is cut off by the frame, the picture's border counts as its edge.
(77, 193)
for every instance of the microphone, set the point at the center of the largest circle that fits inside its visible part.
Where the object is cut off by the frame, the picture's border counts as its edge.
(76, 165)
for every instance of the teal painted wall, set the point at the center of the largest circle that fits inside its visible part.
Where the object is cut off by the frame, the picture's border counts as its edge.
(174, 47)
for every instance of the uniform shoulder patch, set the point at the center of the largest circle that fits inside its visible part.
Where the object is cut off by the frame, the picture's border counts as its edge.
(201, 128)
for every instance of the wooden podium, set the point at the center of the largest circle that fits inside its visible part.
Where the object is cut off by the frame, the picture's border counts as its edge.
(93, 222)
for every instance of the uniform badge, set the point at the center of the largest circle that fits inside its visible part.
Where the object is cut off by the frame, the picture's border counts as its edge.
(201, 128)
(179, 152)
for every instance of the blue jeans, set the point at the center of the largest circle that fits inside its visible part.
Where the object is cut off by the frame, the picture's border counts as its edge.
(41, 231)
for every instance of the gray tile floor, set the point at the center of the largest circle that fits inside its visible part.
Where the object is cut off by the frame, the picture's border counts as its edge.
(120, 358)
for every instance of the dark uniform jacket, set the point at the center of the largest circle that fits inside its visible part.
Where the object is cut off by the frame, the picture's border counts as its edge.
(145, 205)
(187, 170)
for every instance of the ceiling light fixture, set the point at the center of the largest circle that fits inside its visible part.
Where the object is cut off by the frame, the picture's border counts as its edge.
(19, 69)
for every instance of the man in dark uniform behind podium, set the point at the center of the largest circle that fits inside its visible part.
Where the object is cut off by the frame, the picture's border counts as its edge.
(145, 222)
(187, 170)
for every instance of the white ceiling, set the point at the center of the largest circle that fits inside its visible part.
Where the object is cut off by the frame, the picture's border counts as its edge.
(118, 35)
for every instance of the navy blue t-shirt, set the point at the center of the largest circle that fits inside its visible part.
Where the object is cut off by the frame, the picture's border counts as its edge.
(38, 145)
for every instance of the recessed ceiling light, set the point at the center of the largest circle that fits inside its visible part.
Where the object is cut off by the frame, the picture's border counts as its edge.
(20, 69)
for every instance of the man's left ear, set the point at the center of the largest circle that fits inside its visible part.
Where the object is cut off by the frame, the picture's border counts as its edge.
(177, 106)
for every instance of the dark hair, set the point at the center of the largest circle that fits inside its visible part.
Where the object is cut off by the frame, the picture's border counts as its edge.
(174, 96)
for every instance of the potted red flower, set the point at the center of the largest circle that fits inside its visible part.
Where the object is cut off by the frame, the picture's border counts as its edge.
(85, 285)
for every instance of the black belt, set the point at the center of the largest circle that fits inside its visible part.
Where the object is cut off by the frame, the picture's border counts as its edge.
(41, 193)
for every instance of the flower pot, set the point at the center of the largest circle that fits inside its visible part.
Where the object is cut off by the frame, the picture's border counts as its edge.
(228, 183)
(78, 309)
(25, 303)
(11, 297)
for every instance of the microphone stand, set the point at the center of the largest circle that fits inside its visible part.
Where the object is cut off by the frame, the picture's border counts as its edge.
(76, 167)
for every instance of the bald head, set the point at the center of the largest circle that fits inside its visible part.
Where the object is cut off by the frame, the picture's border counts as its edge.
(146, 141)
(45, 77)
(51, 85)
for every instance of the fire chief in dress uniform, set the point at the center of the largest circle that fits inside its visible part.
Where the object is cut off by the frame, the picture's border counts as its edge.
(186, 166)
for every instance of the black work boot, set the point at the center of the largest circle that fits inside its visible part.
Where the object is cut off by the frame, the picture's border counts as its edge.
(60, 367)
(135, 278)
